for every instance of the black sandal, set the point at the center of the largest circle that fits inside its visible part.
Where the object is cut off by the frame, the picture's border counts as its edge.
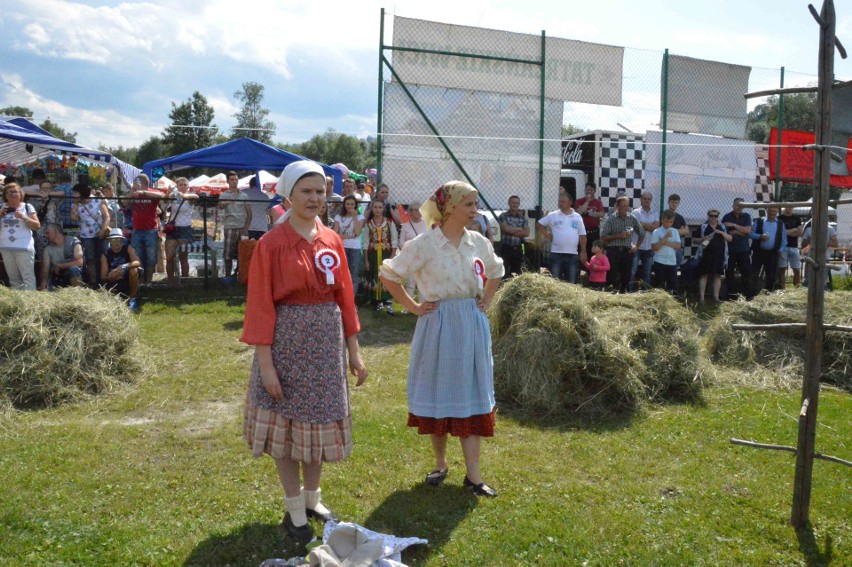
(480, 489)
(437, 476)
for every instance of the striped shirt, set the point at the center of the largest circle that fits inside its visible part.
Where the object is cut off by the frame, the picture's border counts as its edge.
(615, 224)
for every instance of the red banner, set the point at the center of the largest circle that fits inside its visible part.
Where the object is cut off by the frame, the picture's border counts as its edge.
(797, 165)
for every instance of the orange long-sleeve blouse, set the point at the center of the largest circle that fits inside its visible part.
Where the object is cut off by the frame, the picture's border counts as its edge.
(283, 270)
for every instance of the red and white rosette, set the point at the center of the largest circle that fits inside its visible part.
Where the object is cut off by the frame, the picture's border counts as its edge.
(479, 270)
(327, 260)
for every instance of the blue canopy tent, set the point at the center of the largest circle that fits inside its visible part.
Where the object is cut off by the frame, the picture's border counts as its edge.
(21, 142)
(239, 155)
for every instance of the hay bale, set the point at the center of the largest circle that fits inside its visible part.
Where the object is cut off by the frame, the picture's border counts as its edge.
(64, 346)
(560, 347)
(777, 357)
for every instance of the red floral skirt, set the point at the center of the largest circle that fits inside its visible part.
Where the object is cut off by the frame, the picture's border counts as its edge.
(481, 425)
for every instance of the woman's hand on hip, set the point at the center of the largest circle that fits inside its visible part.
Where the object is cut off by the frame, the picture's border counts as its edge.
(423, 308)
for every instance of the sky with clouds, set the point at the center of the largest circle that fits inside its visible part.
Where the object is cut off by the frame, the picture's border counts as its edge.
(110, 70)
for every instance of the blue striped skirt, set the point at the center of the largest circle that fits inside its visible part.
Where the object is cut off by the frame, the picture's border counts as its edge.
(451, 372)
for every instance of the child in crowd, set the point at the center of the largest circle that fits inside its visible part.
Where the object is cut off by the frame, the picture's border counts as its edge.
(598, 266)
(665, 242)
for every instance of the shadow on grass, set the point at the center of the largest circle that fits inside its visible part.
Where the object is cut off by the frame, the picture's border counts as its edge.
(813, 555)
(425, 512)
(247, 545)
(566, 422)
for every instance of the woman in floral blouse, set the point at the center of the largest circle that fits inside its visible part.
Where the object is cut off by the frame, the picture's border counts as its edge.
(451, 372)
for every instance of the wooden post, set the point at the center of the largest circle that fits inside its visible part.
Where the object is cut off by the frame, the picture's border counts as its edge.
(816, 290)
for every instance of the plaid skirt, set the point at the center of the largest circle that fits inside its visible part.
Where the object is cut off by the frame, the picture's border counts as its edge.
(312, 423)
(278, 436)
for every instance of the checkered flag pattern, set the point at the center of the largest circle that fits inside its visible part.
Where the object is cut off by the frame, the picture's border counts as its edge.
(764, 189)
(621, 164)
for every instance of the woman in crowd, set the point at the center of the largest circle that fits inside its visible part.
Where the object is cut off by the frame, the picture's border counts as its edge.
(93, 216)
(18, 220)
(180, 217)
(712, 261)
(348, 225)
(301, 317)
(46, 203)
(451, 373)
(480, 224)
(380, 242)
(414, 227)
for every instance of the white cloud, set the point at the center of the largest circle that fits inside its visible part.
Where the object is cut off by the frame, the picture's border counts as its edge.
(93, 127)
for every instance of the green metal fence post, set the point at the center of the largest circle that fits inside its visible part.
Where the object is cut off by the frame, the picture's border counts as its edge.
(380, 109)
(778, 141)
(538, 209)
(665, 127)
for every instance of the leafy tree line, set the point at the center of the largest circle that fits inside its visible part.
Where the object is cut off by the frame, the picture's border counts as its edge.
(192, 127)
(48, 124)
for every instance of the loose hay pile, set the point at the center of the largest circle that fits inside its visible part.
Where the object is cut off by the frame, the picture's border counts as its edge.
(777, 357)
(64, 346)
(562, 348)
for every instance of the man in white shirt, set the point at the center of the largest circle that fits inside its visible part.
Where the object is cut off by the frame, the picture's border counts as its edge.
(650, 221)
(567, 233)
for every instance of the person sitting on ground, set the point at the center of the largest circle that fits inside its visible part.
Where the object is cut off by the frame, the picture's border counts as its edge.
(93, 218)
(18, 220)
(62, 264)
(120, 267)
(180, 215)
(380, 242)
(598, 266)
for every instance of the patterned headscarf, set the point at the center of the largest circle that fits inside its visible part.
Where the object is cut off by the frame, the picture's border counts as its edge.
(440, 205)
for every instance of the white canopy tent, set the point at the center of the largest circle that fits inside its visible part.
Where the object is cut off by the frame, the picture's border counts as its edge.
(267, 181)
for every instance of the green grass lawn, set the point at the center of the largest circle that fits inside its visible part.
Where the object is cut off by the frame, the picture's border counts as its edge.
(158, 474)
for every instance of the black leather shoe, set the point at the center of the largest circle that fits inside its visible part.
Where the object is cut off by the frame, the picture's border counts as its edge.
(480, 489)
(436, 477)
(330, 517)
(300, 533)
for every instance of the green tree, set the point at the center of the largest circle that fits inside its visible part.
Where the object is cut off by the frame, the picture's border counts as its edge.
(334, 147)
(799, 114)
(569, 129)
(151, 149)
(57, 131)
(127, 155)
(251, 119)
(16, 111)
(192, 125)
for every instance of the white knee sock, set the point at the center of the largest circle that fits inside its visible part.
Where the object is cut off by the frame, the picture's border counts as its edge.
(312, 501)
(296, 507)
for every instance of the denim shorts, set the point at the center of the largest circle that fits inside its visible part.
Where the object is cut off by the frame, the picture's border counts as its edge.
(91, 249)
(146, 243)
(182, 234)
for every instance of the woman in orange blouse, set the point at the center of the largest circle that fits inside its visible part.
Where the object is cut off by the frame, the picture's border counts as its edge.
(301, 317)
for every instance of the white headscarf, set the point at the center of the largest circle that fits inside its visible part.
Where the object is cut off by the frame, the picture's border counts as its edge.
(291, 174)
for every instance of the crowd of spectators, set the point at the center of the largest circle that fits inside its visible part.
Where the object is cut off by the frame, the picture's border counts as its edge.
(74, 235)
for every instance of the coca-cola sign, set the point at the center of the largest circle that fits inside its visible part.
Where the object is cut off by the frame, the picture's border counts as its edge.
(578, 153)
